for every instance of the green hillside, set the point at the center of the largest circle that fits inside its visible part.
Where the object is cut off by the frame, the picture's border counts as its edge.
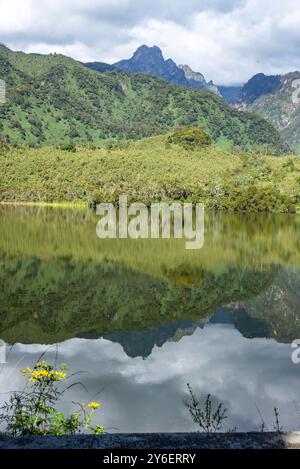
(54, 99)
(152, 169)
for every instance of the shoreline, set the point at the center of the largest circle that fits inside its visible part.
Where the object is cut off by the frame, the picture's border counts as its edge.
(251, 440)
(85, 205)
(46, 204)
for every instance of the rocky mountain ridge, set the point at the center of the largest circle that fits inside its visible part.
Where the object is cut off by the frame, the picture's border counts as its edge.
(151, 60)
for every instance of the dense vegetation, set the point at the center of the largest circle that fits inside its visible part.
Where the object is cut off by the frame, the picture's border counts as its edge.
(190, 137)
(151, 170)
(54, 99)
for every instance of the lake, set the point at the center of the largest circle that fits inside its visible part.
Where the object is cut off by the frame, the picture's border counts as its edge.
(142, 318)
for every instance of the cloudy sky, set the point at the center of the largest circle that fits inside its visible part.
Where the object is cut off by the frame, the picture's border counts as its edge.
(146, 395)
(227, 40)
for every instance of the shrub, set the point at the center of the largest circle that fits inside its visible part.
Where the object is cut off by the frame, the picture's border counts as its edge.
(174, 190)
(33, 411)
(3, 146)
(209, 420)
(253, 199)
(289, 165)
(71, 147)
(190, 137)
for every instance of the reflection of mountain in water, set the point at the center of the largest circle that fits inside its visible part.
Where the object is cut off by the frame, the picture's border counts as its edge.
(279, 306)
(51, 301)
(141, 344)
(247, 325)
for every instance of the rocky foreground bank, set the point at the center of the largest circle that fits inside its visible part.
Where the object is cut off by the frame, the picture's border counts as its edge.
(157, 441)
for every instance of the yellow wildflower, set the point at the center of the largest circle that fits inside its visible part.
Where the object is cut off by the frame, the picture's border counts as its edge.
(58, 375)
(94, 405)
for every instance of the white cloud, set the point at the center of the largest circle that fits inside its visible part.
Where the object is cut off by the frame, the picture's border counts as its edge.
(228, 41)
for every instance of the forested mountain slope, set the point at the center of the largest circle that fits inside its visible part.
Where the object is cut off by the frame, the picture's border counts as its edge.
(55, 99)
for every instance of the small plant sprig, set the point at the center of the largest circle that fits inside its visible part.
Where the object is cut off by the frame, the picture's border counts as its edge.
(209, 420)
(33, 411)
(277, 426)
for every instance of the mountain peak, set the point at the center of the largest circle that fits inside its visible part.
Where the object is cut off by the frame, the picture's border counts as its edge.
(259, 85)
(146, 54)
(150, 60)
(149, 50)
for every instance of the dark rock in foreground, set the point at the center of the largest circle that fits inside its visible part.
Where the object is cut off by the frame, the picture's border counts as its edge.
(156, 441)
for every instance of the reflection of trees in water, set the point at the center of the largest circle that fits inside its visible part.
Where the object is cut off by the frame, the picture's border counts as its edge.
(242, 240)
(255, 238)
(58, 280)
(49, 301)
(184, 275)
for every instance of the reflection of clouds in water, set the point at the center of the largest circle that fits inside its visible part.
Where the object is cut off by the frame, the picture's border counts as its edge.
(146, 395)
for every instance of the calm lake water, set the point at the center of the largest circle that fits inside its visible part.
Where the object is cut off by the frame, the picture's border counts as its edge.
(142, 318)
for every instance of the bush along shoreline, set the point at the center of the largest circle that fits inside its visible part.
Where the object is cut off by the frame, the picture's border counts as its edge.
(183, 166)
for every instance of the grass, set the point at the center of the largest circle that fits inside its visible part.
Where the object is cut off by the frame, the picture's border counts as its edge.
(149, 170)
